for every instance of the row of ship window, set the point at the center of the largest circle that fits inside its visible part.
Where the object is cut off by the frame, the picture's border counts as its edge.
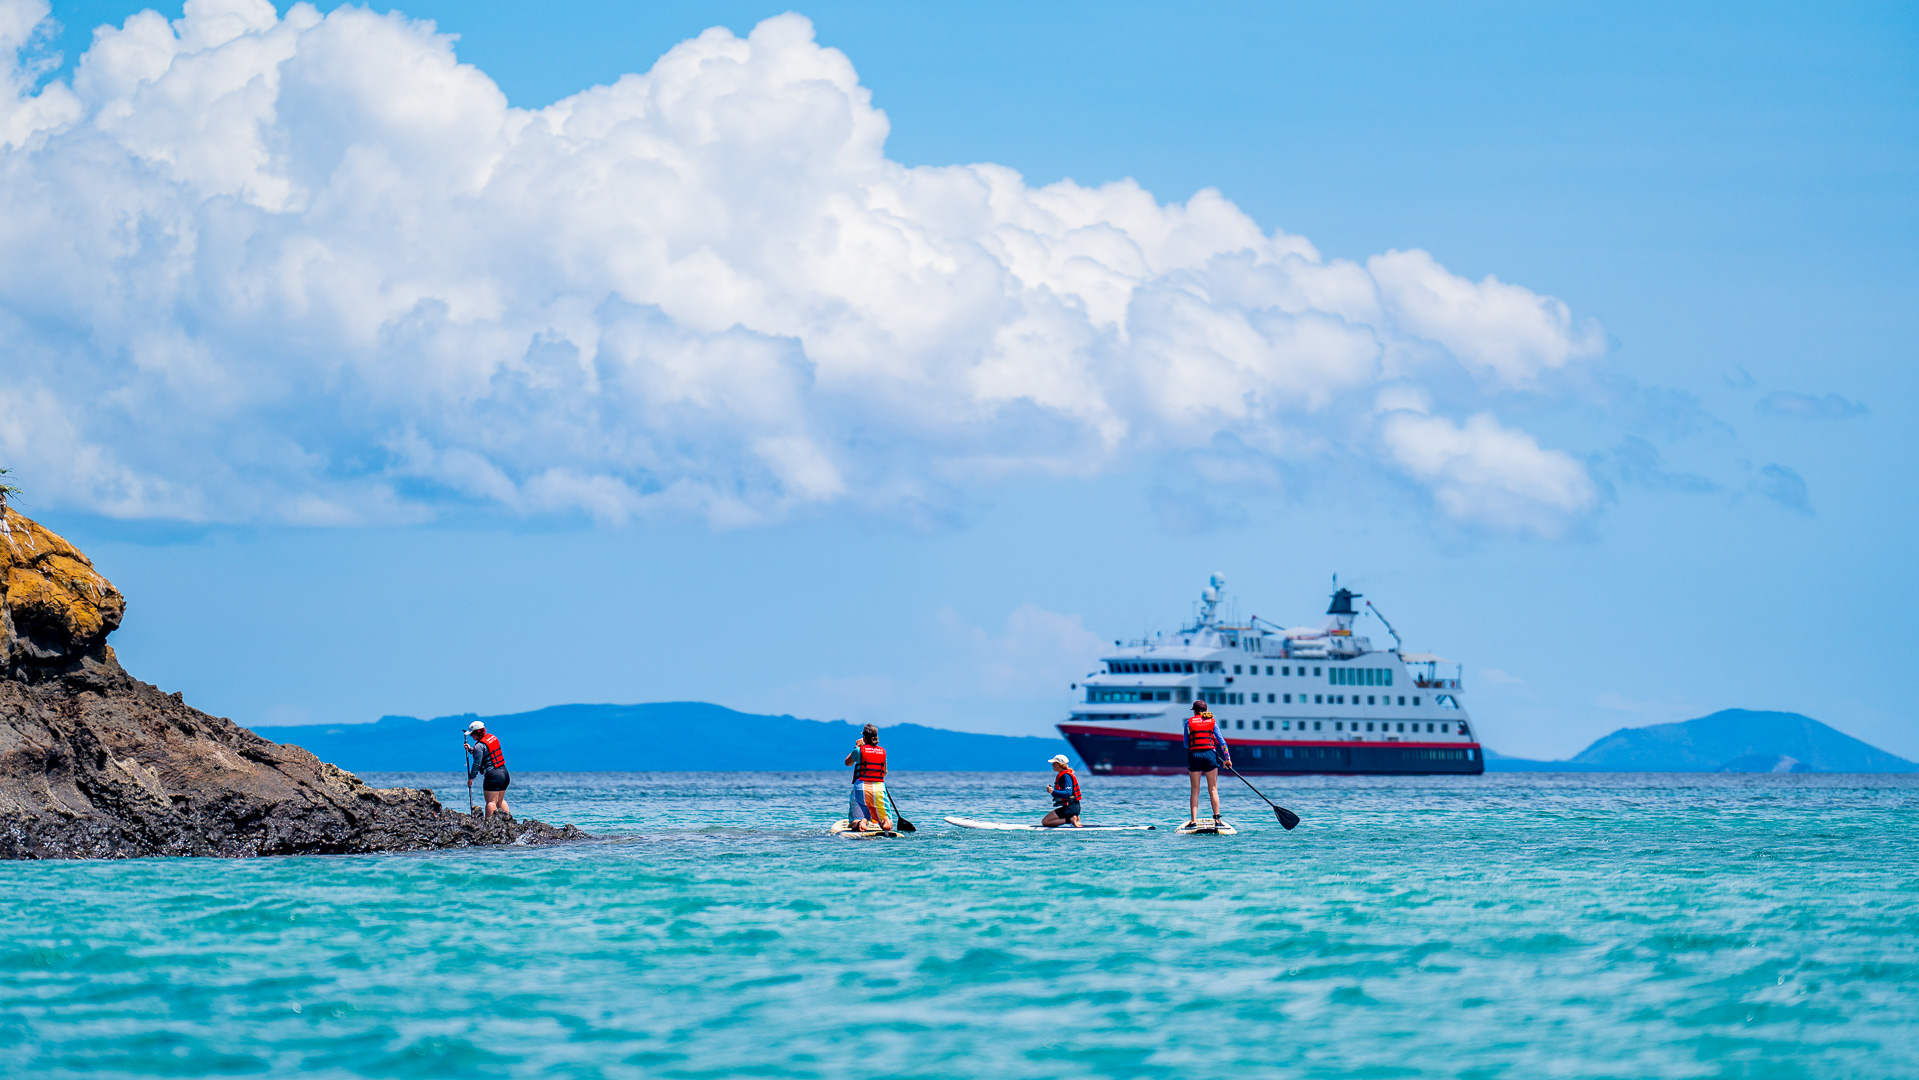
(1235, 697)
(1337, 676)
(1098, 695)
(1336, 753)
(1386, 726)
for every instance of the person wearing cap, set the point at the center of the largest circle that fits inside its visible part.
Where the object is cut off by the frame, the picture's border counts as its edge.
(1065, 793)
(484, 756)
(1206, 751)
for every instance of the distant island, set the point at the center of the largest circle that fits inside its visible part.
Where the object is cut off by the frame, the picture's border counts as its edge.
(693, 736)
(672, 736)
(1732, 740)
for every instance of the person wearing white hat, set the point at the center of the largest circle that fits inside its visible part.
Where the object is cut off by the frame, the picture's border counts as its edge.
(484, 756)
(1065, 792)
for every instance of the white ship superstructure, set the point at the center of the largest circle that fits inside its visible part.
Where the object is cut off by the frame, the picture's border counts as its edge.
(1298, 700)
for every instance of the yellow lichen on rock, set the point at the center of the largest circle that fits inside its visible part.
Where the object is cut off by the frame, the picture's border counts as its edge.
(53, 604)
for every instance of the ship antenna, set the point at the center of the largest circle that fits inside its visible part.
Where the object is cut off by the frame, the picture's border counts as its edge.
(1398, 645)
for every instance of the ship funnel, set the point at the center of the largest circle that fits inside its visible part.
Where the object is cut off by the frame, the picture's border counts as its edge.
(1341, 623)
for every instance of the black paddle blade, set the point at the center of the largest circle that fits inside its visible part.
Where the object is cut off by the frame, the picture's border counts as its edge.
(1286, 817)
(904, 825)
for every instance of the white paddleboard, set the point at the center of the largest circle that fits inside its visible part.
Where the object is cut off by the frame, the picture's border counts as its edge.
(845, 828)
(1207, 828)
(1008, 826)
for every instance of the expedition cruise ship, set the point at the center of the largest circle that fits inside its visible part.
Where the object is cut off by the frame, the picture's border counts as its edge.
(1295, 700)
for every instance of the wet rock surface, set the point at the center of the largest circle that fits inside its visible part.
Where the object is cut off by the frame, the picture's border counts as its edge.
(97, 764)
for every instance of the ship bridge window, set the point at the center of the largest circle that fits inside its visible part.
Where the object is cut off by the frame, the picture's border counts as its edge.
(1151, 667)
(1096, 695)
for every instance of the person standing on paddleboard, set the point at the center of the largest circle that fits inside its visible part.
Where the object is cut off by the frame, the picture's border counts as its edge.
(1065, 792)
(1206, 751)
(867, 810)
(484, 756)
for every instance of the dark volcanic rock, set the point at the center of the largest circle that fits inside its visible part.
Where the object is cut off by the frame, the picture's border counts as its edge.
(97, 764)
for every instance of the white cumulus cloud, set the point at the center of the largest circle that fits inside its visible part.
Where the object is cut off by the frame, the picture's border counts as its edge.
(313, 268)
(1483, 472)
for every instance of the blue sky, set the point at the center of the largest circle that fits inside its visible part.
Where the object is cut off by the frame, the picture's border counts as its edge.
(1689, 491)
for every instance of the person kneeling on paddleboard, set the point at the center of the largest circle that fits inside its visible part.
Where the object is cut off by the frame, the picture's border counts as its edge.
(867, 811)
(484, 756)
(1065, 792)
(1206, 751)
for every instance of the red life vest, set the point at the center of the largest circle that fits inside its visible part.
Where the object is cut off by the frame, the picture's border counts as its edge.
(1200, 728)
(493, 759)
(1069, 775)
(871, 765)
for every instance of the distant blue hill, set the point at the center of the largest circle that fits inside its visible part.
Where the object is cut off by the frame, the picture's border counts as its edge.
(1733, 740)
(677, 736)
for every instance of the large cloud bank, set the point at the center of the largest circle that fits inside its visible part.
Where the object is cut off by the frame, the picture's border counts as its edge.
(315, 269)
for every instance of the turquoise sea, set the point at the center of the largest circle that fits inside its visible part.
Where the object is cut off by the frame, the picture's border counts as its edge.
(1500, 926)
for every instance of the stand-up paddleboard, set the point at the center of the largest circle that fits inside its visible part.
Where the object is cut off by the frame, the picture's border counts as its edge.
(1207, 828)
(845, 828)
(1008, 826)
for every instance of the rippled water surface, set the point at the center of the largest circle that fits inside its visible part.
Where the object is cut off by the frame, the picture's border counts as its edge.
(1500, 926)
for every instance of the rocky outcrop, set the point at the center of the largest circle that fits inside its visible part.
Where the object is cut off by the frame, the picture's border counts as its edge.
(55, 608)
(97, 764)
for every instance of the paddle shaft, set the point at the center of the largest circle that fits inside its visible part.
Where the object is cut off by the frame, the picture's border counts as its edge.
(466, 751)
(905, 825)
(1278, 811)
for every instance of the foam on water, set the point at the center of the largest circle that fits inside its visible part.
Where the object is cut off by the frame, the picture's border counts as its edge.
(1507, 925)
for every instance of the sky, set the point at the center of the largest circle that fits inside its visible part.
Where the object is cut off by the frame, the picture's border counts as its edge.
(887, 361)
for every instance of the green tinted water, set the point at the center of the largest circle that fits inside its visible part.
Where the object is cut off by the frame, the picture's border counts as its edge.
(1501, 926)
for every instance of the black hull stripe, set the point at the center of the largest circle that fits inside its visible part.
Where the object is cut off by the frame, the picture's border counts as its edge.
(1122, 755)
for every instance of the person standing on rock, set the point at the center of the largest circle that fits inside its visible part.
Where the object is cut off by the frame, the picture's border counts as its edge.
(483, 756)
